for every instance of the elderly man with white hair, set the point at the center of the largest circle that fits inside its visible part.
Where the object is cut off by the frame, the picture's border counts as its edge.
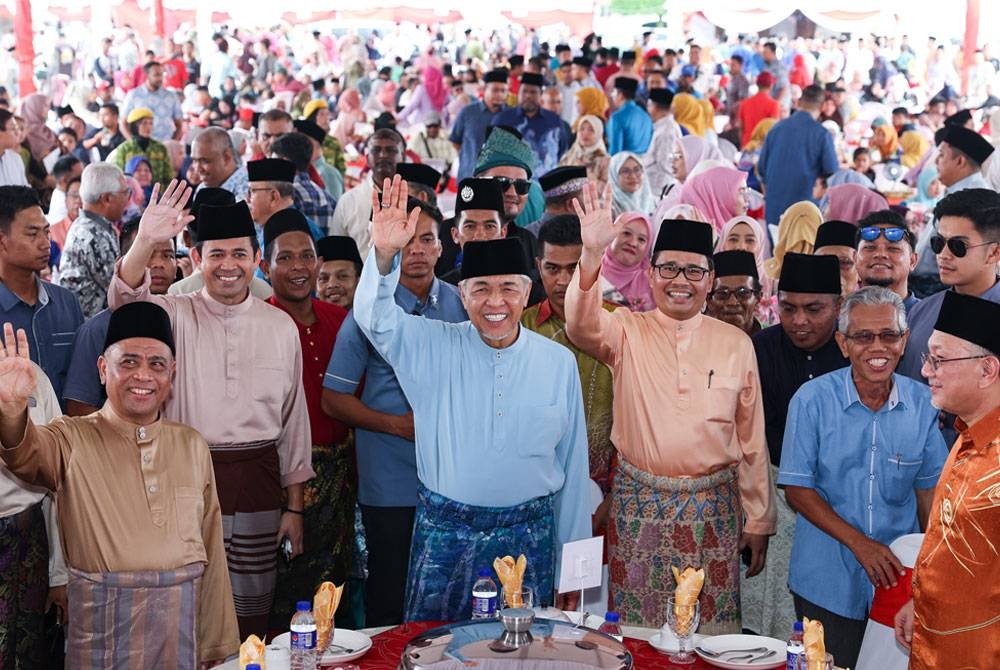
(88, 257)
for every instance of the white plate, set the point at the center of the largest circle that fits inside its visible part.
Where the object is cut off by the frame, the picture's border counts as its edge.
(351, 639)
(724, 642)
(665, 641)
(593, 621)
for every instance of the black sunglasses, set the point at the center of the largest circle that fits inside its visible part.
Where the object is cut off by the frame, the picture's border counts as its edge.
(958, 247)
(521, 186)
(871, 233)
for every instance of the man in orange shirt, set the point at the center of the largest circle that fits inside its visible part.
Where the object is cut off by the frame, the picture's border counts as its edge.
(952, 622)
(759, 106)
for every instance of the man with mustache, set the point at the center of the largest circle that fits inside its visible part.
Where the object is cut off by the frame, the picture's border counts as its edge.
(886, 255)
(736, 291)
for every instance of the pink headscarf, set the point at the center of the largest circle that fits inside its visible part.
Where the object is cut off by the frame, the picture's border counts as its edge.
(758, 255)
(851, 202)
(697, 149)
(41, 139)
(631, 282)
(387, 95)
(714, 193)
(434, 85)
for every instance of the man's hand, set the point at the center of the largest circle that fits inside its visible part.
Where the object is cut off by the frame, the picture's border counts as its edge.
(880, 564)
(904, 625)
(17, 376)
(403, 427)
(596, 221)
(758, 551)
(292, 527)
(57, 598)
(599, 524)
(165, 216)
(391, 228)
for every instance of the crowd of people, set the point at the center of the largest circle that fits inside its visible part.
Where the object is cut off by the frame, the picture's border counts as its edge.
(350, 312)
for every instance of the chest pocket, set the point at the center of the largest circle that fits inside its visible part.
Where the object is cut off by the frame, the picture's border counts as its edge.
(539, 429)
(190, 506)
(60, 350)
(270, 380)
(723, 395)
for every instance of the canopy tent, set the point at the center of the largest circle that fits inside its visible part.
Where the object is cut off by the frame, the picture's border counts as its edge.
(739, 16)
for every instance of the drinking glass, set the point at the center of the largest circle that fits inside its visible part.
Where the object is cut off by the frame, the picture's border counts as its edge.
(683, 621)
(802, 664)
(520, 598)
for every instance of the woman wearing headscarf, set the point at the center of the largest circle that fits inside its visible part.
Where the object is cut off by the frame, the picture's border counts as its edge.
(429, 96)
(318, 111)
(852, 202)
(589, 151)
(689, 114)
(141, 170)
(630, 190)
(40, 138)
(914, 146)
(140, 125)
(625, 266)
(796, 233)
(348, 114)
(751, 151)
(590, 102)
(745, 233)
(719, 193)
(885, 139)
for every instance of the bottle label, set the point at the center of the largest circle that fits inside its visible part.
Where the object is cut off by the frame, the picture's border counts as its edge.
(484, 606)
(303, 639)
(792, 658)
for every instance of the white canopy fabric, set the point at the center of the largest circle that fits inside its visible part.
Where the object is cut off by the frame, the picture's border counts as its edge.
(842, 16)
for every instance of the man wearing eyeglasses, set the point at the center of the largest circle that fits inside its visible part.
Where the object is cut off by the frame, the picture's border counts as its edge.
(688, 424)
(967, 247)
(951, 621)
(861, 456)
(886, 255)
(735, 291)
(837, 238)
(801, 347)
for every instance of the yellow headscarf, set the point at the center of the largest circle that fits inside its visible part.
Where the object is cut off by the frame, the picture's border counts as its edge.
(689, 113)
(915, 145)
(796, 233)
(759, 133)
(592, 103)
(886, 141)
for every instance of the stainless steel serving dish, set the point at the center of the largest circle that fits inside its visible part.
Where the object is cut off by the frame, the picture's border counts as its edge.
(515, 640)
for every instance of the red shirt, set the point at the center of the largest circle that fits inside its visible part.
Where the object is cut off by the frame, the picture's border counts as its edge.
(175, 74)
(317, 348)
(755, 109)
(602, 74)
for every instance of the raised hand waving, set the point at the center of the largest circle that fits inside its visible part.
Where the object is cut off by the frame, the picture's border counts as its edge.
(596, 222)
(391, 227)
(165, 217)
(17, 375)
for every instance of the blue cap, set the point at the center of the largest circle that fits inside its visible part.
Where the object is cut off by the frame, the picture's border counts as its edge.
(611, 617)
(252, 666)
(303, 606)
(689, 71)
(484, 572)
(798, 628)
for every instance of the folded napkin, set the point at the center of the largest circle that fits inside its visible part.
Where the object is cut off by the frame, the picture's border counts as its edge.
(252, 651)
(325, 604)
(686, 594)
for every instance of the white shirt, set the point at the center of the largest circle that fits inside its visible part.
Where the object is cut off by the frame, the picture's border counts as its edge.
(353, 215)
(12, 169)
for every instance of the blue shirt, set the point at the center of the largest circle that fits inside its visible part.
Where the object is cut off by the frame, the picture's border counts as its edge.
(164, 104)
(629, 129)
(387, 464)
(83, 383)
(543, 132)
(50, 325)
(866, 465)
(920, 320)
(470, 132)
(494, 427)
(796, 151)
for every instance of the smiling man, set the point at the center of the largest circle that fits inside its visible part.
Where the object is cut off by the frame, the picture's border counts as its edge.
(339, 270)
(501, 457)
(383, 420)
(217, 164)
(291, 265)
(886, 254)
(735, 291)
(861, 456)
(674, 367)
(138, 506)
(243, 393)
(801, 347)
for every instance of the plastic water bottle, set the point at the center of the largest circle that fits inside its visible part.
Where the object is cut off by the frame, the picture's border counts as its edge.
(484, 596)
(794, 649)
(611, 627)
(303, 638)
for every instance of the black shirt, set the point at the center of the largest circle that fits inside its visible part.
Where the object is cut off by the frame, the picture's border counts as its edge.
(783, 369)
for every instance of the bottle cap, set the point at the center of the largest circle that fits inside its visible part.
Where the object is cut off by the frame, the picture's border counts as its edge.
(303, 606)
(798, 627)
(484, 572)
(611, 617)
(252, 666)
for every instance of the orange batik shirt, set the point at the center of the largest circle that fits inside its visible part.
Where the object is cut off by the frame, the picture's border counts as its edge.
(956, 584)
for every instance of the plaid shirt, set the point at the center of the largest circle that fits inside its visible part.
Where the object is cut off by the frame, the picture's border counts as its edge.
(314, 202)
